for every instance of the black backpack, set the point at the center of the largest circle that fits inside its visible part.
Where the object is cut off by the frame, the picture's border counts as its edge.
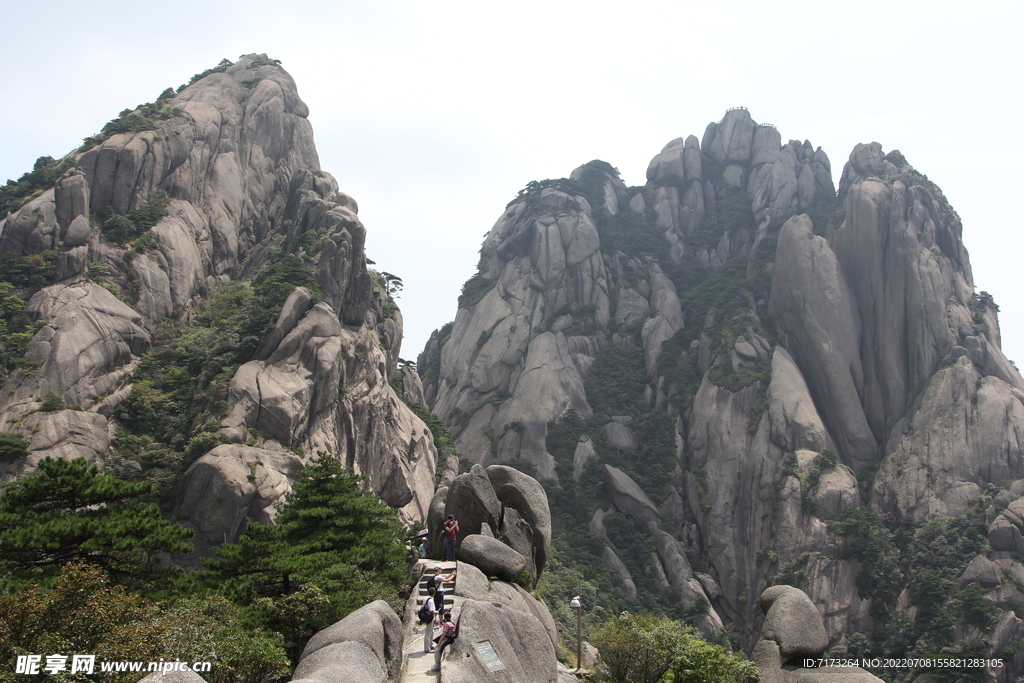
(438, 587)
(425, 615)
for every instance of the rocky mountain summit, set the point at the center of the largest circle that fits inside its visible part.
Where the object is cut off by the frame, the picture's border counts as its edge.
(736, 362)
(168, 236)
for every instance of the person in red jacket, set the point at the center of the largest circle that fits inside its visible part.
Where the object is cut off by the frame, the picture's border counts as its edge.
(451, 533)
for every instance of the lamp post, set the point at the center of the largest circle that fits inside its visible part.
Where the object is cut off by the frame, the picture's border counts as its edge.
(575, 604)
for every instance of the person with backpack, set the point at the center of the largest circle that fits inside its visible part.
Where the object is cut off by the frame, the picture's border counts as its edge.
(437, 581)
(447, 637)
(427, 615)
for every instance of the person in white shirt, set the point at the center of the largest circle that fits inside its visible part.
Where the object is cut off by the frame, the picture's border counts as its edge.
(428, 629)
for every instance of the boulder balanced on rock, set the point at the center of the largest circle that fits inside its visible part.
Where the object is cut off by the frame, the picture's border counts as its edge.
(792, 632)
(501, 501)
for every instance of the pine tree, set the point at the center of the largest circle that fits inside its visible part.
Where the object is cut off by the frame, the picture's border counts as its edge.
(68, 511)
(334, 548)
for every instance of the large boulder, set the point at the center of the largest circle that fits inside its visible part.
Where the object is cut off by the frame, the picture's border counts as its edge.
(493, 557)
(471, 499)
(435, 522)
(524, 493)
(346, 662)
(84, 348)
(620, 437)
(475, 585)
(627, 495)
(230, 487)
(62, 434)
(792, 622)
(793, 629)
(374, 626)
(982, 570)
(517, 534)
(519, 640)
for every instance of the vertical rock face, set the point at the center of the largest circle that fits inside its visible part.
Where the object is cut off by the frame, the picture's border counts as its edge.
(517, 356)
(234, 163)
(814, 351)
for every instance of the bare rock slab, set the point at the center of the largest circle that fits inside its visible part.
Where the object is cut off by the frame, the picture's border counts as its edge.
(375, 626)
(518, 639)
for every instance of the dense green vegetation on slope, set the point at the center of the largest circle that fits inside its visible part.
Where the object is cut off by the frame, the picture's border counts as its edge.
(80, 612)
(68, 511)
(74, 540)
(179, 393)
(927, 561)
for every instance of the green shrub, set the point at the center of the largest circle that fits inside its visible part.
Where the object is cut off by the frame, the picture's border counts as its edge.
(52, 402)
(474, 289)
(43, 175)
(12, 448)
(641, 649)
(123, 228)
(141, 118)
(222, 66)
(27, 272)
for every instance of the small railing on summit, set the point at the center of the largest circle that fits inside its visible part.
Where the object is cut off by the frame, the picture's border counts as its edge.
(766, 125)
(729, 110)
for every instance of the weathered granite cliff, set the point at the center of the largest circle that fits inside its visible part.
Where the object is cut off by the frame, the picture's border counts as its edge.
(226, 171)
(742, 355)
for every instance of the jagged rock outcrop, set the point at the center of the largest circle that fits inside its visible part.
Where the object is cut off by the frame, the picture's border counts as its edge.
(232, 162)
(231, 486)
(619, 572)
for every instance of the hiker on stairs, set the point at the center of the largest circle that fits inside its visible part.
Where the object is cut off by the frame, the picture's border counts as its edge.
(428, 626)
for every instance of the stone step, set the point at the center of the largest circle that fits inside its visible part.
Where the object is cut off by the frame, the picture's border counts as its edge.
(447, 602)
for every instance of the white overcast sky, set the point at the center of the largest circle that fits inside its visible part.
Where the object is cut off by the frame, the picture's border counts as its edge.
(434, 114)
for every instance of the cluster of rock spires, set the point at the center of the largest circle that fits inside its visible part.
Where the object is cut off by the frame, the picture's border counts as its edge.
(877, 349)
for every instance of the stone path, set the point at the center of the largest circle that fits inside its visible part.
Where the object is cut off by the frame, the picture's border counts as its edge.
(416, 662)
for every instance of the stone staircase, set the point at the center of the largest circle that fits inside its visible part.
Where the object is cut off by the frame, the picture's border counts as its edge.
(417, 662)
